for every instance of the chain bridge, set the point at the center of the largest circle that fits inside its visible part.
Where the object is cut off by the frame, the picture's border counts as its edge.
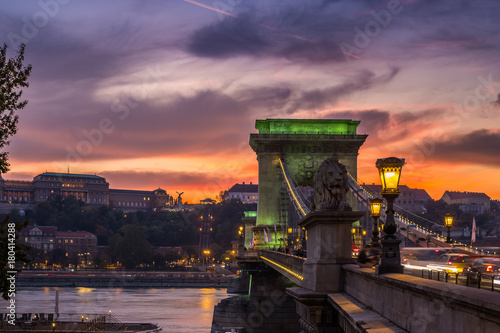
(314, 249)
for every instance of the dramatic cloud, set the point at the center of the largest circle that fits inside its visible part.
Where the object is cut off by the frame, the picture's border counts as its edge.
(125, 87)
(320, 98)
(153, 180)
(333, 31)
(478, 147)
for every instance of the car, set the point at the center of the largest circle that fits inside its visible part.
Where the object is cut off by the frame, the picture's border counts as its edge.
(483, 265)
(421, 256)
(452, 262)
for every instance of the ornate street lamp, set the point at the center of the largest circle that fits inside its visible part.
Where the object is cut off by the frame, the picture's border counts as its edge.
(375, 206)
(448, 221)
(390, 172)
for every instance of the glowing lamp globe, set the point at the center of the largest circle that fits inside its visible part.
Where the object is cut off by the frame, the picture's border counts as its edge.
(448, 220)
(375, 206)
(390, 172)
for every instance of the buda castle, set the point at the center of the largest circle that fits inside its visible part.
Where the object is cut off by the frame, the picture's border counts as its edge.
(91, 189)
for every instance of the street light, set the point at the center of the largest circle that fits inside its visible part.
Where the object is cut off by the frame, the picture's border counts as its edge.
(390, 172)
(448, 221)
(375, 206)
(207, 254)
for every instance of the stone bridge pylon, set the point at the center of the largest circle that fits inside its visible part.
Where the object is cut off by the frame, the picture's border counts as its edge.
(302, 145)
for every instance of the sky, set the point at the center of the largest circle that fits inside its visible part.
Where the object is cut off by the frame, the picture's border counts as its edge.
(166, 93)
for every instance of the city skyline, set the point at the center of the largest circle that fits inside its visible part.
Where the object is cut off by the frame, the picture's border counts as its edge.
(166, 94)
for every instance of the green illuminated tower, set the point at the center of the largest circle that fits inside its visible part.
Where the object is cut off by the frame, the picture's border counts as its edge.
(303, 144)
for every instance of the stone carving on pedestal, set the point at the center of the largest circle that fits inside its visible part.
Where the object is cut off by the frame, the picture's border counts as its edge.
(328, 229)
(331, 187)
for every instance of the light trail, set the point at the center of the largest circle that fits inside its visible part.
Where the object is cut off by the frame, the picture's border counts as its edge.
(249, 21)
(260, 24)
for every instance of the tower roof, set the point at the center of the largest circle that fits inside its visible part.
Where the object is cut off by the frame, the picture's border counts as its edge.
(306, 126)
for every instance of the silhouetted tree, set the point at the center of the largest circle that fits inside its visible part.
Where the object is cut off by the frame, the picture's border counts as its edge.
(131, 246)
(13, 76)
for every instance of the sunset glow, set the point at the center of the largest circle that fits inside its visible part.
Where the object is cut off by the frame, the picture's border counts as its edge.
(165, 94)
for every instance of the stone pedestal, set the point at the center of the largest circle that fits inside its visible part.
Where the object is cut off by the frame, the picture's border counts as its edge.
(316, 314)
(390, 259)
(328, 248)
(268, 308)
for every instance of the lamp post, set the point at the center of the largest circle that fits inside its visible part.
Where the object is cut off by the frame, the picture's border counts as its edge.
(207, 254)
(448, 221)
(375, 206)
(390, 172)
(241, 242)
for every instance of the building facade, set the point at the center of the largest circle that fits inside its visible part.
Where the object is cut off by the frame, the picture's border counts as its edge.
(130, 200)
(411, 199)
(80, 246)
(246, 193)
(92, 189)
(468, 201)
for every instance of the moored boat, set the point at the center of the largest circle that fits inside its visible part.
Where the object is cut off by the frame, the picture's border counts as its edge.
(70, 323)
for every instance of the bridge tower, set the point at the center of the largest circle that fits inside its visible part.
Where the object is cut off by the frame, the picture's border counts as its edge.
(302, 145)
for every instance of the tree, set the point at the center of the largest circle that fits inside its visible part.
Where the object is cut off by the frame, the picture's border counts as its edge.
(13, 76)
(131, 246)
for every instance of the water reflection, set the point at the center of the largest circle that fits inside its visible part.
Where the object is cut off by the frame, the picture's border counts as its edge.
(83, 290)
(176, 310)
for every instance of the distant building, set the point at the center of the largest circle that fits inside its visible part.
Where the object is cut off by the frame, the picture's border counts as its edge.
(411, 199)
(207, 201)
(468, 201)
(246, 193)
(132, 200)
(81, 245)
(92, 189)
(42, 238)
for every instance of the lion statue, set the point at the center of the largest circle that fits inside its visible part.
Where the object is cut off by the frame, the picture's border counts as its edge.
(330, 187)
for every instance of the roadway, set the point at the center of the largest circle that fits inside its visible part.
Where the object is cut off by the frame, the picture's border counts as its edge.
(487, 281)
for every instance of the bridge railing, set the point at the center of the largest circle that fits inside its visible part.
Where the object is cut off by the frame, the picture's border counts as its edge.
(301, 208)
(290, 263)
(412, 224)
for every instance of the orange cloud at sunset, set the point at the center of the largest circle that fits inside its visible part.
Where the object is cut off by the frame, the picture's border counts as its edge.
(167, 93)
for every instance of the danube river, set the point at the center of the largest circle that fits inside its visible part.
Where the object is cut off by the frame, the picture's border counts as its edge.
(177, 310)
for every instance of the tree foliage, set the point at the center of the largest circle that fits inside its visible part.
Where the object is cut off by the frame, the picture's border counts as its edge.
(13, 77)
(131, 246)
